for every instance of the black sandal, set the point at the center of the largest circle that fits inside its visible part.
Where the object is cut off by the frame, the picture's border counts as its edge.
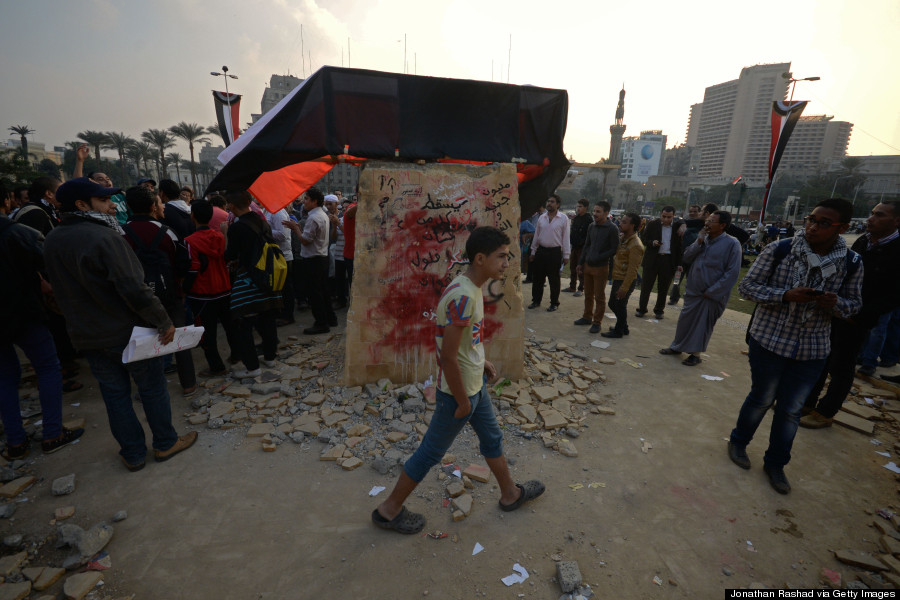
(530, 490)
(405, 522)
(692, 361)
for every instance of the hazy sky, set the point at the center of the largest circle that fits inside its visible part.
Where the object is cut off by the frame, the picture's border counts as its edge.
(67, 66)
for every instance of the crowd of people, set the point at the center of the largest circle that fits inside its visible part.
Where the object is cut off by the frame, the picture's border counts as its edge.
(92, 261)
(822, 307)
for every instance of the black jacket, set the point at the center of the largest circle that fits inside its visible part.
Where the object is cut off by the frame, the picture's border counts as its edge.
(38, 216)
(652, 232)
(600, 245)
(578, 230)
(21, 261)
(881, 280)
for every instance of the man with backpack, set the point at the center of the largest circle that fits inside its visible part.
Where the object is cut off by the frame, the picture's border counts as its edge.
(259, 279)
(816, 278)
(97, 282)
(165, 262)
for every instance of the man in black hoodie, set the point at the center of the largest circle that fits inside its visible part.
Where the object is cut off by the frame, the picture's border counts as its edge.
(177, 212)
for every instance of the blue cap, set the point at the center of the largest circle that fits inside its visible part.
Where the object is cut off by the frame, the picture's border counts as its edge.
(81, 188)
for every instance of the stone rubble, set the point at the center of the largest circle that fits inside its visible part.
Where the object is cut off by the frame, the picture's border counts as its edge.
(382, 423)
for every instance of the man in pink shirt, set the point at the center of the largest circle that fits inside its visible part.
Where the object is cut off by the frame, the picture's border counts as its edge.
(549, 252)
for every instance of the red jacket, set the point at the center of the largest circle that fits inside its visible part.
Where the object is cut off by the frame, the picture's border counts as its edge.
(207, 250)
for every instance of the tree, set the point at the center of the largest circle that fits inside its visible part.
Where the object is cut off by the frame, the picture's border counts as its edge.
(162, 139)
(592, 190)
(120, 143)
(146, 153)
(190, 132)
(16, 169)
(94, 139)
(49, 168)
(174, 157)
(23, 131)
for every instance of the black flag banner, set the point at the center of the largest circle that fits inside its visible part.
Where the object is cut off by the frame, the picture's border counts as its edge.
(227, 109)
(784, 118)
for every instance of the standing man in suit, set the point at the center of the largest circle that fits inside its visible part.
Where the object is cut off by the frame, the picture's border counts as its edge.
(661, 258)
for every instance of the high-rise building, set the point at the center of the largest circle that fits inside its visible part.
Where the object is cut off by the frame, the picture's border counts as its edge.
(690, 136)
(817, 142)
(617, 130)
(279, 87)
(642, 156)
(733, 133)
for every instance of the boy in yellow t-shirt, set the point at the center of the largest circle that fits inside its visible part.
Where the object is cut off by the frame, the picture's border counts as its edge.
(462, 395)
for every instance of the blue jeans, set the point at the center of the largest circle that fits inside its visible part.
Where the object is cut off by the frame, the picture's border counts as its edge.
(115, 387)
(786, 383)
(36, 342)
(882, 340)
(444, 428)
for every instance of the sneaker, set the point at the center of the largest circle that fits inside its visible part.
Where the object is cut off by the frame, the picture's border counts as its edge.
(181, 444)
(738, 455)
(65, 438)
(534, 305)
(552, 308)
(268, 363)
(18, 451)
(133, 467)
(583, 321)
(612, 333)
(595, 329)
(866, 370)
(625, 332)
(815, 421)
(578, 294)
(778, 479)
(640, 313)
(244, 373)
(659, 316)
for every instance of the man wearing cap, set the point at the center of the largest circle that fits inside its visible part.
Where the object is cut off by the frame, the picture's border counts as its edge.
(98, 283)
(148, 183)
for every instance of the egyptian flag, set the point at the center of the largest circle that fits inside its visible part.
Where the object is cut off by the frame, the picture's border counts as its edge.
(227, 109)
(784, 117)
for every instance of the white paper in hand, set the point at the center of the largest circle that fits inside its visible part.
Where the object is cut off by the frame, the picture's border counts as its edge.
(144, 343)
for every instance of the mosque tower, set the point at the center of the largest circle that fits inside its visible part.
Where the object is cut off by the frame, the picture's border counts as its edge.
(617, 130)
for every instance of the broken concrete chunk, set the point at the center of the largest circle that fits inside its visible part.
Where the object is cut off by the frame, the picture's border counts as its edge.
(16, 486)
(553, 419)
(463, 503)
(15, 591)
(478, 473)
(351, 463)
(545, 393)
(455, 488)
(568, 575)
(63, 486)
(10, 564)
(857, 558)
(567, 448)
(49, 576)
(77, 586)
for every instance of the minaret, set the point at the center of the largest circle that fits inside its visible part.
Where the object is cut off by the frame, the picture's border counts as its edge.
(617, 130)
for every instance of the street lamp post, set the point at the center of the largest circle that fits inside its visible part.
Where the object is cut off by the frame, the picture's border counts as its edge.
(790, 76)
(226, 75)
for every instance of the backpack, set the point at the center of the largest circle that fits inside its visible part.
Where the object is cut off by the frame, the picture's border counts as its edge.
(782, 248)
(156, 263)
(269, 272)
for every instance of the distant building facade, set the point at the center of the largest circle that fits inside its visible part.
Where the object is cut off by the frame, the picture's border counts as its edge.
(733, 130)
(817, 142)
(279, 87)
(642, 156)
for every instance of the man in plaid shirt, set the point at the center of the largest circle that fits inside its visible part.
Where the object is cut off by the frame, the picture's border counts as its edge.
(789, 336)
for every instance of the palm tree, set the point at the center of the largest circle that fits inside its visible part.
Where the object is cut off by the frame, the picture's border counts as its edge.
(143, 152)
(94, 139)
(162, 140)
(120, 143)
(174, 157)
(22, 131)
(214, 130)
(190, 132)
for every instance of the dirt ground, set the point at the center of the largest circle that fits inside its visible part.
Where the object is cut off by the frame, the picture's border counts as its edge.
(227, 520)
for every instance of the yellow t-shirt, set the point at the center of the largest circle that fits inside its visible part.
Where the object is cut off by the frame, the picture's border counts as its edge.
(462, 304)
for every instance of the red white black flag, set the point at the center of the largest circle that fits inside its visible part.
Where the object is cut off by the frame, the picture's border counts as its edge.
(227, 109)
(784, 117)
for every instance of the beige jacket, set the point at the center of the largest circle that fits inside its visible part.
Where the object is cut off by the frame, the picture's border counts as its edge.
(628, 259)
